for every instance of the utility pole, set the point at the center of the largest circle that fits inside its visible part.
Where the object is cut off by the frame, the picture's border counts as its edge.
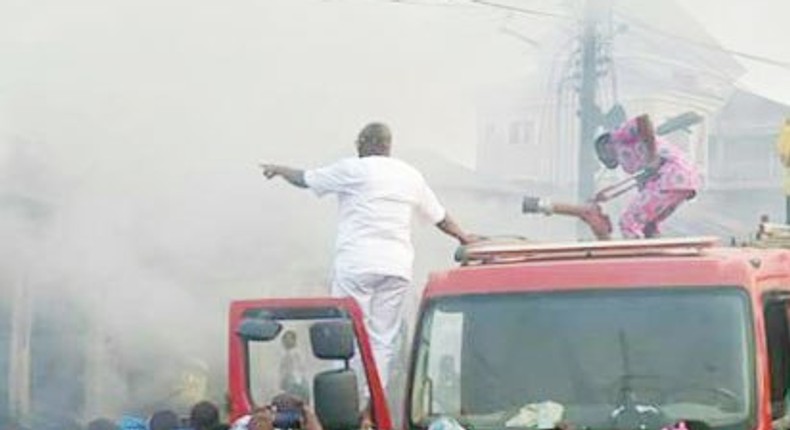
(19, 383)
(589, 112)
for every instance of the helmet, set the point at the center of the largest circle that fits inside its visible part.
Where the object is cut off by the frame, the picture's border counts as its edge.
(605, 151)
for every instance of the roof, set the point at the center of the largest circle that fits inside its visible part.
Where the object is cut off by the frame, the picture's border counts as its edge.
(746, 112)
(684, 265)
(662, 36)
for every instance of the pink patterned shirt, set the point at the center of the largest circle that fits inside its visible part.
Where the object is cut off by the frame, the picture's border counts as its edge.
(676, 172)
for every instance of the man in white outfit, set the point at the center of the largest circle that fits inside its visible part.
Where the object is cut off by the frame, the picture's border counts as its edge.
(376, 195)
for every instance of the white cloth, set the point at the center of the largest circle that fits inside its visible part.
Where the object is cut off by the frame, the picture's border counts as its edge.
(381, 299)
(376, 199)
(241, 423)
(544, 415)
(292, 368)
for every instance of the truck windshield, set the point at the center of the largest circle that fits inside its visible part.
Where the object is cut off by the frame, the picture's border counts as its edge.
(606, 359)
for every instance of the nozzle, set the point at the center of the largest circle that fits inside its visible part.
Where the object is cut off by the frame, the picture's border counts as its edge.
(536, 205)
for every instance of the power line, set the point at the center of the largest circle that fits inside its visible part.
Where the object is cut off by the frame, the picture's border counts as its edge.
(424, 3)
(509, 8)
(631, 19)
(519, 36)
(710, 46)
(521, 10)
(760, 59)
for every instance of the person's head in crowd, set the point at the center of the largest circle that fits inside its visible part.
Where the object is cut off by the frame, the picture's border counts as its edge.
(102, 424)
(287, 401)
(68, 424)
(128, 422)
(164, 420)
(289, 340)
(260, 418)
(204, 415)
(264, 417)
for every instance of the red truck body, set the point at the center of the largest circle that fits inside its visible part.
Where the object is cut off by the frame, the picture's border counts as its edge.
(761, 277)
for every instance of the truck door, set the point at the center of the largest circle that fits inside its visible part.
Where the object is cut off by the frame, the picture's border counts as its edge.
(776, 308)
(315, 349)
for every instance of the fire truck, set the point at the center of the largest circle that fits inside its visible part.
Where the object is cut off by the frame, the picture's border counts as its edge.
(632, 335)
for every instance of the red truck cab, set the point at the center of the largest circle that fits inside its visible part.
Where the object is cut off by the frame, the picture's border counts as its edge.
(635, 335)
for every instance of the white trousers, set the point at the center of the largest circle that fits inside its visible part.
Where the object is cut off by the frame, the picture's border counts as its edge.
(381, 298)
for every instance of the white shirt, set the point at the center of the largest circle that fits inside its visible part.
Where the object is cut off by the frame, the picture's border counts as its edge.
(291, 368)
(376, 199)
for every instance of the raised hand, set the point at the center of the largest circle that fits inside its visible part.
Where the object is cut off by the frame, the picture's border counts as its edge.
(270, 170)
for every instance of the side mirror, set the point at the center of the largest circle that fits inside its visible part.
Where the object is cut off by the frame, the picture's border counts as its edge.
(332, 340)
(260, 330)
(337, 399)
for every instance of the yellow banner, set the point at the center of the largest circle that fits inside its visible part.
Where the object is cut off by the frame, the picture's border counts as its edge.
(783, 149)
(783, 144)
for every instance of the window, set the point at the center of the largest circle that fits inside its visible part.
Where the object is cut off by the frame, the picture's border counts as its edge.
(521, 133)
(444, 361)
(590, 352)
(778, 339)
(287, 364)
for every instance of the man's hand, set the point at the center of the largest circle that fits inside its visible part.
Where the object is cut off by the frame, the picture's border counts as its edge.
(262, 419)
(598, 221)
(270, 170)
(449, 227)
(366, 419)
(310, 419)
(472, 238)
(293, 176)
(649, 172)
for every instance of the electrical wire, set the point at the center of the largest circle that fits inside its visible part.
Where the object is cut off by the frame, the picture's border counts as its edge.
(645, 26)
(426, 3)
(550, 99)
(495, 5)
(524, 11)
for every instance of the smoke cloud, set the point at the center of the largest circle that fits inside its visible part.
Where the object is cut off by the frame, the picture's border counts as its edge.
(132, 209)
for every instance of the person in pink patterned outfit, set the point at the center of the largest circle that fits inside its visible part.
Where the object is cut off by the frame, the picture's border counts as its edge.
(665, 177)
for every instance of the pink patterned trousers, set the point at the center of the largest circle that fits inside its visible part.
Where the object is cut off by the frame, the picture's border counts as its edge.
(648, 208)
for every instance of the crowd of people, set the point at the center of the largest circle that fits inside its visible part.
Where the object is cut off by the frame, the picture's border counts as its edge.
(204, 415)
(285, 411)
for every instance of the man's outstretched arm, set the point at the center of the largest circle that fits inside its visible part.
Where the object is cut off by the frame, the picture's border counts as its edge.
(449, 227)
(293, 176)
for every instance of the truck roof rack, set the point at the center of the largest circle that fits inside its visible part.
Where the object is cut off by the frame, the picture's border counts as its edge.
(771, 235)
(519, 250)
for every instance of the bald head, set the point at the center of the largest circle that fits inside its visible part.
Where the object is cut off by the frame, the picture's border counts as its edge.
(374, 139)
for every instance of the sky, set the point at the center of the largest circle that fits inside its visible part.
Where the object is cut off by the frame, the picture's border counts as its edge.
(418, 64)
(138, 126)
(757, 28)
